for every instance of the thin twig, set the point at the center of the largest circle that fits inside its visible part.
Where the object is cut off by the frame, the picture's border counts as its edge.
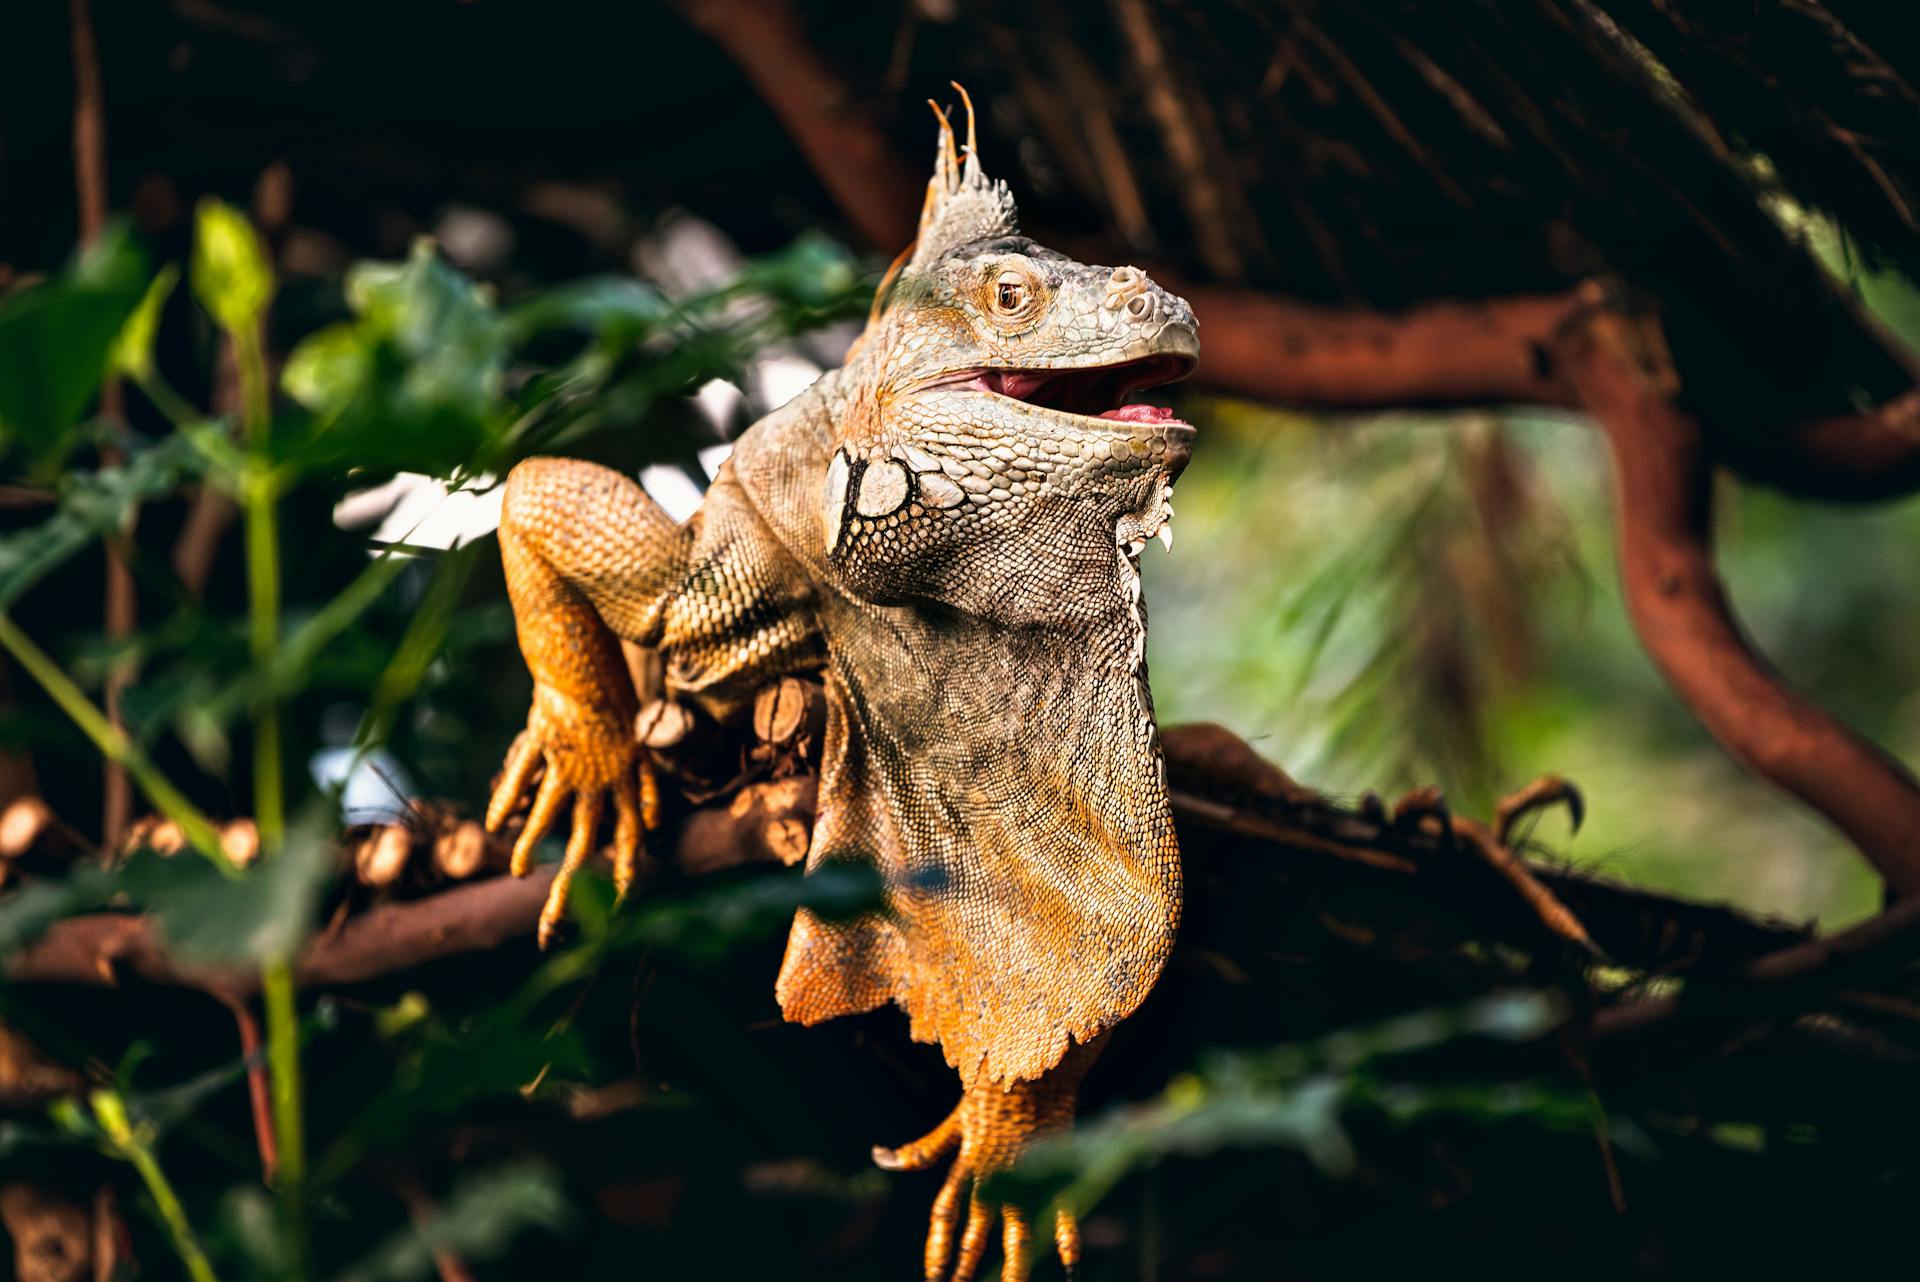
(259, 1090)
(121, 608)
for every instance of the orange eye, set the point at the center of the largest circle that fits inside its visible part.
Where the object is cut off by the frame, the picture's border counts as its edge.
(1010, 293)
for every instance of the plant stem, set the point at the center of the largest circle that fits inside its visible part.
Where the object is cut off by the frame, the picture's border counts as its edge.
(111, 1112)
(283, 1058)
(260, 495)
(113, 742)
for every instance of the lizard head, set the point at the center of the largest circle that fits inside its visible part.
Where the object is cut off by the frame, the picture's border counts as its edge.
(995, 404)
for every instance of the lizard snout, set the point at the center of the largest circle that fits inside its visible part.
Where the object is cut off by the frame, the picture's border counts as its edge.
(1132, 298)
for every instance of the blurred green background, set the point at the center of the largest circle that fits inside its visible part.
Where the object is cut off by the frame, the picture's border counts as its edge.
(1384, 602)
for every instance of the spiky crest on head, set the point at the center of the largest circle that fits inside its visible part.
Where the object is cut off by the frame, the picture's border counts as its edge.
(963, 204)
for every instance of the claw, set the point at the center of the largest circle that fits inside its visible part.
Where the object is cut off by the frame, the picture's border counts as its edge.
(1545, 792)
(585, 744)
(1015, 1234)
(925, 1151)
(973, 1242)
(1066, 1239)
(514, 773)
(1422, 803)
(940, 1225)
(630, 827)
(546, 804)
(990, 1127)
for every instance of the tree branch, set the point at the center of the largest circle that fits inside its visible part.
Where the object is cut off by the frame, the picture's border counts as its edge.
(1226, 801)
(1884, 943)
(1664, 514)
(853, 159)
(1270, 348)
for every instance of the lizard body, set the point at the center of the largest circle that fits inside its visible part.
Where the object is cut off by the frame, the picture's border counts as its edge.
(948, 527)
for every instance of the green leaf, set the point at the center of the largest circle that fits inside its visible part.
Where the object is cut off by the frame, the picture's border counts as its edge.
(55, 341)
(814, 273)
(1296, 1097)
(133, 349)
(328, 368)
(419, 646)
(263, 915)
(94, 505)
(608, 307)
(230, 271)
(415, 382)
(479, 1222)
(708, 925)
(26, 914)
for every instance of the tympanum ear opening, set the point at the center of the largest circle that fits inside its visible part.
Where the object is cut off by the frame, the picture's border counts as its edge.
(833, 511)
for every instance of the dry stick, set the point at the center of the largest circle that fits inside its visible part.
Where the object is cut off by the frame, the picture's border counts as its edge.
(1882, 943)
(18, 778)
(101, 948)
(1089, 94)
(1438, 354)
(1378, 108)
(1664, 515)
(1185, 127)
(90, 180)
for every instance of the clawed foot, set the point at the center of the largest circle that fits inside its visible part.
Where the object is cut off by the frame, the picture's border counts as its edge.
(1426, 805)
(590, 755)
(1542, 794)
(989, 1129)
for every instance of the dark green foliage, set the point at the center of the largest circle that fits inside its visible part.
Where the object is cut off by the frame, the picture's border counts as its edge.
(55, 342)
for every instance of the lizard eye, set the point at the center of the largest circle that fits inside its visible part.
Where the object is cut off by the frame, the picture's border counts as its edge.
(1010, 293)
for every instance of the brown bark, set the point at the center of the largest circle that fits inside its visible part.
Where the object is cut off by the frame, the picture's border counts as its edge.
(1848, 458)
(101, 948)
(1228, 803)
(90, 182)
(764, 822)
(1274, 349)
(1883, 944)
(52, 1240)
(1664, 513)
(852, 158)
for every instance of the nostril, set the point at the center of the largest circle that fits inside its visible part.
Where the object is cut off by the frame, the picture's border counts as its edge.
(1125, 275)
(1140, 306)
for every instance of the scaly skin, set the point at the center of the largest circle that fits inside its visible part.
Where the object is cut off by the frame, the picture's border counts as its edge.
(949, 531)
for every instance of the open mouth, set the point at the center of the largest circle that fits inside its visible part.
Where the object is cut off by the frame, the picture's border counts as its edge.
(1098, 392)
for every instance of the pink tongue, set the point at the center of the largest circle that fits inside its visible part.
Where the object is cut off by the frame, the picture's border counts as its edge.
(1140, 414)
(1015, 383)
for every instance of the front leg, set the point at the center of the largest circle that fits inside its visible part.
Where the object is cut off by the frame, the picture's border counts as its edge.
(587, 555)
(990, 1127)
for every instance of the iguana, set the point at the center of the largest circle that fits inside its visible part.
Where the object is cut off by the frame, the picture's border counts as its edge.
(949, 528)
